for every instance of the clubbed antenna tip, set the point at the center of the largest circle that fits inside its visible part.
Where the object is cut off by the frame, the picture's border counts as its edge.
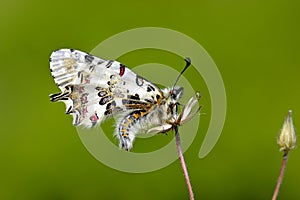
(188, 63)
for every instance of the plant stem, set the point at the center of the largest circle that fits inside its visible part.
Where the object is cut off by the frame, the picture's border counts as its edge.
(279, 181)
(182, 162)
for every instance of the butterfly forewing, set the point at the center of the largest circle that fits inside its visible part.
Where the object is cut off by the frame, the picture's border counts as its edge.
(93, 88)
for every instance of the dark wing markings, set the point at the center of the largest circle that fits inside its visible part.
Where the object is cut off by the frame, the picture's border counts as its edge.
(136, 104)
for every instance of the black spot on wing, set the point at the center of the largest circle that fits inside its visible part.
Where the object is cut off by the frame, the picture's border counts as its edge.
(149, 101)
(110, 105)
(102, 93)
(76, 120)
(69, 110)
(150, 88)
(133, 103)
(62, 96)
(107, 112)
(80, 75)
(89, 58)
(109, 108)
(134, 97)
(91, 68)
(105, 100)
(108, 65)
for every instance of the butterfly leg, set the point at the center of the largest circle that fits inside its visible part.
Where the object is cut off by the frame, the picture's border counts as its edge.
(160, 129)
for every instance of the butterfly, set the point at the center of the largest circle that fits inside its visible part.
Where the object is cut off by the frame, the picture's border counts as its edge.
(95, 89)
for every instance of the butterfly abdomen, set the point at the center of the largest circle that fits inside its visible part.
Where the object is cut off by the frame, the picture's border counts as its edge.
(128, 127)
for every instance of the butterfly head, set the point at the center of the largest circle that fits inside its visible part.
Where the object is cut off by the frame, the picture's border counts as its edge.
(176, 93)
(173, 95)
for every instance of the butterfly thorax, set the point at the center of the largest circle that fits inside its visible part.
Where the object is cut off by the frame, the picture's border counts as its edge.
(139, 121)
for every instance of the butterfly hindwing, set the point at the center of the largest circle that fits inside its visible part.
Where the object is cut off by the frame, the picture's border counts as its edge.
(94, 89)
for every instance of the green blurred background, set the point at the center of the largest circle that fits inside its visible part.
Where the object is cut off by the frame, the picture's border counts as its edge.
(255, 45)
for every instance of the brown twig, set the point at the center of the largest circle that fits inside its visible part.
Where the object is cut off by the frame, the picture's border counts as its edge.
(279, 181)
(182, 162)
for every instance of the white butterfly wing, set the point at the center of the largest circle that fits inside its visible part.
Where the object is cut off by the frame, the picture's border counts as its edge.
(93, 89)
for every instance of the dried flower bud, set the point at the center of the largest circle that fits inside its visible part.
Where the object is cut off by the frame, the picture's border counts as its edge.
(287, 136)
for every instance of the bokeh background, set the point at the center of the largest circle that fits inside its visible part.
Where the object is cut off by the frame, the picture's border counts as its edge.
(255, 45)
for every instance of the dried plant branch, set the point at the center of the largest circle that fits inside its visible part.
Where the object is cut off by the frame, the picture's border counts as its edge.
(279, 181)
(182, 162)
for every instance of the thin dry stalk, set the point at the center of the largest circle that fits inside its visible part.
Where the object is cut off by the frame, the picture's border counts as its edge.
(182, 162)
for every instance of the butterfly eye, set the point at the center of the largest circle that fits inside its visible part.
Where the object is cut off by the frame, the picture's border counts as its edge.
(176, 93)
(173, 95)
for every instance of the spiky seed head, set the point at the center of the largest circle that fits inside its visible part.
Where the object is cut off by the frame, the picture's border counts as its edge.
(287, 136)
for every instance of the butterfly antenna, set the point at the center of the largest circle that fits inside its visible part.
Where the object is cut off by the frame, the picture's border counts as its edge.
(188, 63)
